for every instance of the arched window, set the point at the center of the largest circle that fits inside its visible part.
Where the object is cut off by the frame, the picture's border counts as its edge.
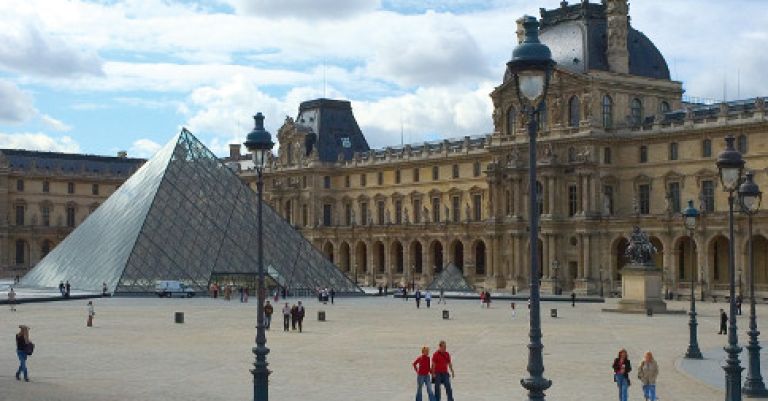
(574, 112)
(541, 117)
(511, 121)
(664, 107)
(636, 112)
(741, 144)
(607, 112)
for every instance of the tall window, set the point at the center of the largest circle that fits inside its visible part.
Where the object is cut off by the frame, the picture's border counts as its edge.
(541, 117)
(304, 215)
(289, 212)
(741, 144)
(511, 121)
(455, 170)
(94, 189)
(636, 112)
(46, 248)
(363, 179)
(45, 211)
(573, 200)
(21, 247)
(607, 112)
(674, 196)
(436, 210)
(708, 196)
(327, 214)
(70, 187)
(380, 212)
(435, 173)
(363, 212)
(706, 148)
(477, 207)
(574, 112)
(327, 182)
(417, 210)
(476, 169)
(397, 176)
(304, 181)
(643, 154)
(398, 212)
(348, 214)
(607, 159)
(508, 203)
(380, 178)
(20, 215)
(644, 195)
(46, 186)
(673, 151)
(70, 216)
(455, 209)
(416, 176)
(608, 193)
(347, 181)
(664, 107)
(20, 185)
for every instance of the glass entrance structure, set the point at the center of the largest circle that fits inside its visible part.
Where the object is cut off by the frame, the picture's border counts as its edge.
(451, 279)
(183, 216)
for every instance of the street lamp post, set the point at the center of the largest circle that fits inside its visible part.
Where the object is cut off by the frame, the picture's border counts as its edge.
(690, 218)
(730, 166)
(750, 197)
(259, 143)
(531, 67)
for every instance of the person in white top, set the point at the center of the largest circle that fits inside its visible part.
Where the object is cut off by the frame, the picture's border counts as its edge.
(428, 298)
(91, 313)
(12, 299)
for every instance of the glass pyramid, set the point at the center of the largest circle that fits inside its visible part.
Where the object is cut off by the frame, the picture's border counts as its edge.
(450, 279)
(183, 216)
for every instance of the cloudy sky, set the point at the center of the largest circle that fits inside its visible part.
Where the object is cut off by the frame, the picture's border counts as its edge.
(98, 76)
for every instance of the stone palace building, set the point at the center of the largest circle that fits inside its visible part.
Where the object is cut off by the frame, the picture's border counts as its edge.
(619, 147)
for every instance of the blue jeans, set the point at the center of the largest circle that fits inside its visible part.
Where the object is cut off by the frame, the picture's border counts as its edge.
(649, 391)
(623, 385)
(267, 321)
(22, 364)
(426, 380)
(445, 380)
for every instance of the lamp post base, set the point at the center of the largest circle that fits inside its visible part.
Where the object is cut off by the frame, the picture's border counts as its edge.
(753, 385)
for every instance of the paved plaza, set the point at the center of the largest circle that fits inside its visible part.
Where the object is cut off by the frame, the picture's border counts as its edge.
(362, 352)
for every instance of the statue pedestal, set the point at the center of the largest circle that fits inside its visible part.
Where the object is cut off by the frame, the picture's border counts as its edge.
(641, 290)
(547, 286)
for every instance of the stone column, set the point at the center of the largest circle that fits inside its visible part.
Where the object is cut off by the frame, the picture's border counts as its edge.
(551, 199)
(544, 255)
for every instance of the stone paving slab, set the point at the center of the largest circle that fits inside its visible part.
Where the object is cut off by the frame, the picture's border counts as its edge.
(363, 352)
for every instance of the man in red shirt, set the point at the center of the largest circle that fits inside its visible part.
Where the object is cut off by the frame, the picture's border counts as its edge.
(441, 362)
(422, 368)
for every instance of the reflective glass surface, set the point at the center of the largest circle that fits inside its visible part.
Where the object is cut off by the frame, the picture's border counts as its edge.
(450, 279)
(183, 216)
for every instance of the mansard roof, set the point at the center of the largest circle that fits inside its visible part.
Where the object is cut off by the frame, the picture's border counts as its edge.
(29, 160)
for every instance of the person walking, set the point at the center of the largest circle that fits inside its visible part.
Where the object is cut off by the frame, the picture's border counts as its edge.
(23, 350)
(67, 287)
(723, 322)
(405, 294)
(300, 312)
(293, 316)
(286, 316)
(61, 288)
(442, 297)
(738, 305)
(12, 299)
(573, 299)
(423, 370)
(103, 289)
(647, 374)
(441, 363)
(621, 369)
(417, 297)
(333, 295)
(487, 299)
(428, 298)
(268, 310)
(91, 314)
(482, 298)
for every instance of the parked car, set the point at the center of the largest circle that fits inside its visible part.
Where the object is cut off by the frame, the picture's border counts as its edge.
(169, 288)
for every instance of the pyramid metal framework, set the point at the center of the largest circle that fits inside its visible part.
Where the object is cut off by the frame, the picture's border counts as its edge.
(451, 279)
(183, 216)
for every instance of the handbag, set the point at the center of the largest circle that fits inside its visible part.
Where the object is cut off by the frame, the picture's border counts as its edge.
(29, 348)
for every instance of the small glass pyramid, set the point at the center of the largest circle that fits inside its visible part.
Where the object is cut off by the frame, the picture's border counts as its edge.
(450, 279)
(183, 216)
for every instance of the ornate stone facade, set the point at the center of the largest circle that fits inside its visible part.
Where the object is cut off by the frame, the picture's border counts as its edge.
(617, 149)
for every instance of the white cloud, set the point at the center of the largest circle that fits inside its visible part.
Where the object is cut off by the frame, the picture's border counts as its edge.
(144, 148)
(39, 141)
(332, 9)
(58, 125)
(16, 106)
(26, 49)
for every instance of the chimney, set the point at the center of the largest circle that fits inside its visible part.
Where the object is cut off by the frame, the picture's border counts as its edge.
(234, 151)
(617, 16)
(520, 30)
(122, 154)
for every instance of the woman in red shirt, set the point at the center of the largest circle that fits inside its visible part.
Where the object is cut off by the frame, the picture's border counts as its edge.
(423, 374)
